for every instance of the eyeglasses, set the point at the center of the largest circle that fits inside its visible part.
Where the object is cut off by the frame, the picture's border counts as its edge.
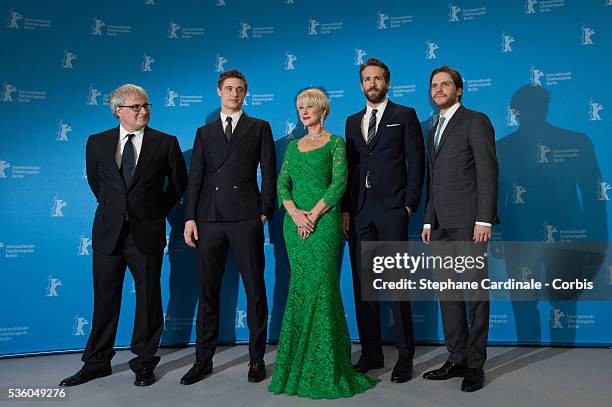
(136, 108)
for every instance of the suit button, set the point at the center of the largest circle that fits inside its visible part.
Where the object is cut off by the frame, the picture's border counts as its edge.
(217, 188)
(235, 187)
(370, 153)
(219, 171)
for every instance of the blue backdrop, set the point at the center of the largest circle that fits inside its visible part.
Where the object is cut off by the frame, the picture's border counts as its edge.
(537, 68)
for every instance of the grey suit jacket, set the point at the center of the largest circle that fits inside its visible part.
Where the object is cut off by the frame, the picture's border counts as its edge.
(463, 173)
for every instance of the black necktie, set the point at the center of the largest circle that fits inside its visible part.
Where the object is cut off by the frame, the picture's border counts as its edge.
(372, 126)
(128, 160)
(228, 128)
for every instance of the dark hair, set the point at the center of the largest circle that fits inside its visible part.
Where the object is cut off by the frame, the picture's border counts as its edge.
(378, 63)
(455, 76)
(232, 73)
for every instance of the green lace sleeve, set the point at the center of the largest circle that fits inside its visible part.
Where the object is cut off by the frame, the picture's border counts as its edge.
(284, 184)
(339, 173)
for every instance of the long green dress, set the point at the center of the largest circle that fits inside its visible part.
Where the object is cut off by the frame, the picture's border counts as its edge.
(314, 350)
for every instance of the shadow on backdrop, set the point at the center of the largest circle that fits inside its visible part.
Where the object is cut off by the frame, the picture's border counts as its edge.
(547, 193)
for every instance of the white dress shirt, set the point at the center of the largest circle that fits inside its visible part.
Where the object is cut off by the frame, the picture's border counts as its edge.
(365, 121)
(136, 141)
(447, 116)
(235, 117)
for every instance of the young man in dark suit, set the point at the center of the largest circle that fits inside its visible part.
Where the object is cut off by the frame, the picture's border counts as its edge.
(385, 155)
(225, 209)
(461, 209)
(137, 175)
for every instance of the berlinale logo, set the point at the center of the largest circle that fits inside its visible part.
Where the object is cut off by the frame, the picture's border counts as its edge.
(67, 60)
(79, 325)
(243, 32)
(146, 63)
(92, 98)
(381, 22)
(594, 109)
(3, 166)
(13, 19)
(171, 95)
(585, 37)
(96, 26)
(312, 26)
(430, 50)
(84, 245)
(453, 13)
(506, 45)
(359, 55)
(173, 29)
(555, 318)
(7, 92)
(602, 190)
(52, 284)
(517, 194)
(220, 62)
(62, 131)
(57, 207)
(289, 60)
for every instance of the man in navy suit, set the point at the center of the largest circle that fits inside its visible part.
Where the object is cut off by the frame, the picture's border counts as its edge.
(385, 154)
(137, 175)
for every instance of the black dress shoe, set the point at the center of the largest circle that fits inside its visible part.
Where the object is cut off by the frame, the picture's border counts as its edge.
(473, 380)
(197, 372)
(83, 376)
(447, 371)
(257, 370)
(144, 377)
(402, 372)
(364, 364)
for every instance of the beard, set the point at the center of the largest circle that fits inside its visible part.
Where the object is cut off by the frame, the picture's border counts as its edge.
(378, 97)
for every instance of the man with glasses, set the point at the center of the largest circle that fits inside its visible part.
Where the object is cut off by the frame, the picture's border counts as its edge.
(137, 175)
(225, 209)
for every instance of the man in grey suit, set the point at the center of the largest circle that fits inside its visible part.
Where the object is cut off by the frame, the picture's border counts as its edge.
(461, 210)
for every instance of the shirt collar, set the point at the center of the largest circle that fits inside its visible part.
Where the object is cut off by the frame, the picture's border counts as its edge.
(451, 111)
(380, 108)
(123, 133)
(235, 117)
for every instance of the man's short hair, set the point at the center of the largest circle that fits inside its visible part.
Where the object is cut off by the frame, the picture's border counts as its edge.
(314, 97)
(232, 73)
(455, 75)
(378, 63)
(117, 98)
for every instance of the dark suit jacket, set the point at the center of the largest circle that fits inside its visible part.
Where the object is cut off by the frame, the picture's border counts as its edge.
(146, 200)
(395, 159)
(223, 176)
(463, 173)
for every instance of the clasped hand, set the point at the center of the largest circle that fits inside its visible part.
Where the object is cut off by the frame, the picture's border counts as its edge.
(305, 222)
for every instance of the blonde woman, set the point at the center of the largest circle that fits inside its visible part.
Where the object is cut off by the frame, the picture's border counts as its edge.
(314, 350)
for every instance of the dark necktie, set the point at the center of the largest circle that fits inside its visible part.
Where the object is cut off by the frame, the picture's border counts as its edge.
(228, 129)
(372, 126)
(128, 160)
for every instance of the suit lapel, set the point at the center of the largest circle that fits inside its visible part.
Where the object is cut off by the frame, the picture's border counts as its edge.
(384, 120)
(450, 128)
(150, 142)
(110, 150)
(356, 129)
(430, 138)
(240, 132)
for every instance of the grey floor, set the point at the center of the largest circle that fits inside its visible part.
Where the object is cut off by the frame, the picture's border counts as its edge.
(515, 377)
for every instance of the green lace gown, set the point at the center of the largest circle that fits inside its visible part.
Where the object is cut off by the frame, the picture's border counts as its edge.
(314, 350)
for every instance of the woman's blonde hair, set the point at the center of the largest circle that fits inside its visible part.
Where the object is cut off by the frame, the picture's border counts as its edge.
(316, 98)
